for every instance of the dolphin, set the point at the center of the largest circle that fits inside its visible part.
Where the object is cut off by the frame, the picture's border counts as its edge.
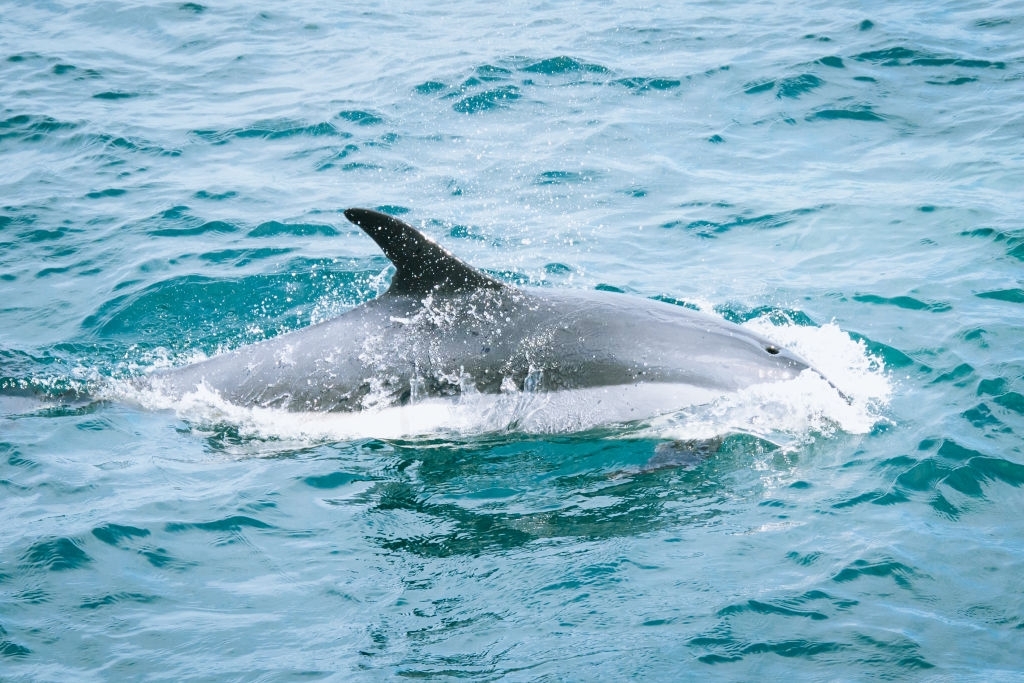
(445, 329)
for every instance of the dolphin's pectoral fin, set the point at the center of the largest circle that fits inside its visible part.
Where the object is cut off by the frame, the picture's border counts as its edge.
(682, 454)
(421, 265)
(677, 455)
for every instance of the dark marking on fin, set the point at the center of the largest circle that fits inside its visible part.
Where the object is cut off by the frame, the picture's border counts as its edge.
(421, 265)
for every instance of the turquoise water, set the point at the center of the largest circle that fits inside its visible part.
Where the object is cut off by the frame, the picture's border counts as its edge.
(844, 176)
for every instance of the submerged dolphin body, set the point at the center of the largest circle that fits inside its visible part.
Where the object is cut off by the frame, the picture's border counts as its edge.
(444, 328)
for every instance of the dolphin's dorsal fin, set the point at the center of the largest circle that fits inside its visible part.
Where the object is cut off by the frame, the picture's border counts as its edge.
(421, 265)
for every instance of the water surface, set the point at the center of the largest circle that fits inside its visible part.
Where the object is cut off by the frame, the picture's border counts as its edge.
(846, 177)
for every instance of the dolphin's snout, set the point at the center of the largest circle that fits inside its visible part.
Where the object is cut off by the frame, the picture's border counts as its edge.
(786, 358)
(797, 365)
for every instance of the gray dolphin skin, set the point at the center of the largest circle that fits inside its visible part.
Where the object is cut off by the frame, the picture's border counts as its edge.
(444, 328)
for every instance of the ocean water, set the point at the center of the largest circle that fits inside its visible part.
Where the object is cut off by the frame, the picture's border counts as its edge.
(844, 177)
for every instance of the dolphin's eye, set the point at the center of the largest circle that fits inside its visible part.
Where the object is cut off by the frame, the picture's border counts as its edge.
(772, 349)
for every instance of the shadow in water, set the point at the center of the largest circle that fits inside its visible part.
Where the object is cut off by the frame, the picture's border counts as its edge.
(475, 499)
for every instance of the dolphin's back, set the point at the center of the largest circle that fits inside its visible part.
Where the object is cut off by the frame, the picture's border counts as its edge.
(443, 328)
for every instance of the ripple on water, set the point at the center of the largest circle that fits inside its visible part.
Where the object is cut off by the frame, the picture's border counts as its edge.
(561, 177)
(195, 309)
(1014, 295)
(243, 257)
(855, 113)
(232, 523)
(706, 228)
(948, 481)
(900, 573)
(56, 554)
(117, 534)
(1013, 239)
(786, 88)
(117, 598)
(488, 100)
(906, 56)
(176, 216)
(819, 625)
(9, 648)
(361, 117)
(906, 302)
(116, 95)
(29, 128)
(271, 129)
(642, 84)
(275, 228)
(493, 87)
